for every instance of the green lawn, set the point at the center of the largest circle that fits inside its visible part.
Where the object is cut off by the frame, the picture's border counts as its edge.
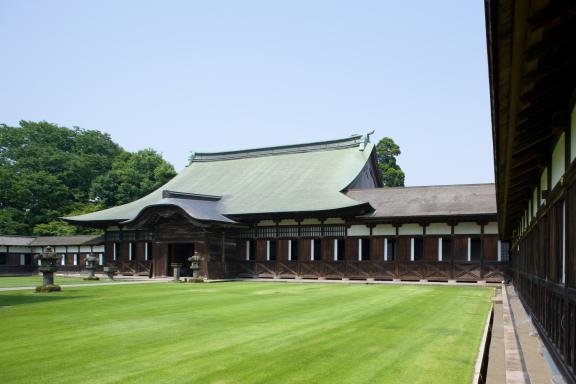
(32, 281)
(242, 333)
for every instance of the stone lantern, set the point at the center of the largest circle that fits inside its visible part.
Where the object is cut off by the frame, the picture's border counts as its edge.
(91, 267)
(177, 267)
(110, 271)
(48, 265)
(195, 267)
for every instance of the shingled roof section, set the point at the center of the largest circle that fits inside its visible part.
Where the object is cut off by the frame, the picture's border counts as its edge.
(16, 240)
(441, 200)
(294, 178)
(39, 241)
(68, 240)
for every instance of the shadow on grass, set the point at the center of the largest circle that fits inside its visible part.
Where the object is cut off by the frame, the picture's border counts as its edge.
(7, 300)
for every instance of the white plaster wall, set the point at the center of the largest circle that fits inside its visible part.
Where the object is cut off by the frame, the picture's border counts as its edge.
(535, 204)
(20, 249)
(266, 223)
(438, 229)
(36, 249)
(558, 160)
(543, 183)
(411, 229)
(310, 222)
(73, 248)
(288, 222)
(60, 249)
(84, 248)
(573, 134)
(334, 220)
(467, 229)
(491, 228)
(358, 230)
(384, 230)
(99, 248)
(3, 248)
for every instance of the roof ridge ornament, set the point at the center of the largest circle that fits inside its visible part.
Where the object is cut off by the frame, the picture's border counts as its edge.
(365, 140)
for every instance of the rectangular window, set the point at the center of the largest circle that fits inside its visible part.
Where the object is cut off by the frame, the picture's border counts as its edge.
(339, 249)
(475, 249)
(563, 270)
(100, 259)
(147, 250)
(416, 249)
(446, 253)
(363, 249)
(115, 251)
(250, 250)
(63, 259)
(271, 250)
(390, 249)
(503, 250)
(75, 259)
(293, 250)
(316, 249)
(335, 250)
(131, 251)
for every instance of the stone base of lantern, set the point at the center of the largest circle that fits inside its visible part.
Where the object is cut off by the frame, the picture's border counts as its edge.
(48, 288)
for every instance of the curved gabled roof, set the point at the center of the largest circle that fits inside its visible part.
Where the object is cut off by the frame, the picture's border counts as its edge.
(295, 178)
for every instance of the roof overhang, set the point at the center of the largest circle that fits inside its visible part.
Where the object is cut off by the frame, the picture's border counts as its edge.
(531, 61)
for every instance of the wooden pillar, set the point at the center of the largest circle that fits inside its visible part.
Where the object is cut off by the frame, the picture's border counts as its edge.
(396, 246)
(481, 250)
(452, 251)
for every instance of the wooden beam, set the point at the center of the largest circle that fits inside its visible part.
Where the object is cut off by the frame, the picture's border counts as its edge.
(550, 13)
(531, 142)
(540, 73)
(562, 34)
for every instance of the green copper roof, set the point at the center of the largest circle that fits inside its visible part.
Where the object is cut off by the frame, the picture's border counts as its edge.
(296, 178)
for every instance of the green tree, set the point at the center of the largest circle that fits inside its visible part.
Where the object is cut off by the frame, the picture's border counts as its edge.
(48, 171)
(392, 174)
(132, 176)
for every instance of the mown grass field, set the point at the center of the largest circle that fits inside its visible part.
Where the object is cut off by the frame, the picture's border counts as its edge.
(32, 281)
(242, 333)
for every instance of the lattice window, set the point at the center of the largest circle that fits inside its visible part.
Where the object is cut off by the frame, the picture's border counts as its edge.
(265, 232)
(130, 236)
(311, 231)
(112, 236)
(288, 231)
(144, 236)
(334, 230)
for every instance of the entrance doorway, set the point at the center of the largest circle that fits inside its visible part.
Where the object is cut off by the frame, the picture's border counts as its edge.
(179, 253)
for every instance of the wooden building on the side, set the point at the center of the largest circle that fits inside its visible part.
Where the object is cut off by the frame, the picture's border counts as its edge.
(532, 60)
(17, 252)
(314, 210)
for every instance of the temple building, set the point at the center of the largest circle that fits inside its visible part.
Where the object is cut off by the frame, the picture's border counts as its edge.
(310, 211)
(17, 252)
(532, 60)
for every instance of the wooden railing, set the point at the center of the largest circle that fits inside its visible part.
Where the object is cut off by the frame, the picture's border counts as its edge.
(553, 308)
(132, 267)
(378, 270)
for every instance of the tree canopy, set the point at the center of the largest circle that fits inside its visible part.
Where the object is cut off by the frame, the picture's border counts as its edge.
(48, 171)
(392, 174)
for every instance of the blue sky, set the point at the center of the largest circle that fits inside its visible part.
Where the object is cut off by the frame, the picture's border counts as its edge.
(181, 76)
